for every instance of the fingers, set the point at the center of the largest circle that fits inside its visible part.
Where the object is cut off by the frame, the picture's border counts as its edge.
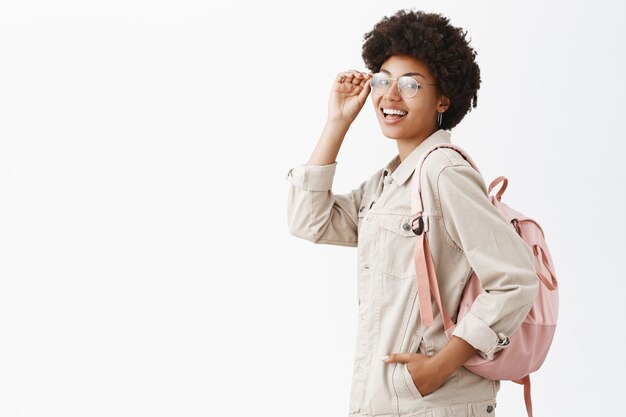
(353, 77)
(397, 357)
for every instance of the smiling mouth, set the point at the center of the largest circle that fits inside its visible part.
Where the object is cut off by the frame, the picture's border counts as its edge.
(392, 116)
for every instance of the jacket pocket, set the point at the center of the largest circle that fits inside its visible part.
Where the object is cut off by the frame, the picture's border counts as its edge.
(398, 245)
(483, 408)
(408, 378)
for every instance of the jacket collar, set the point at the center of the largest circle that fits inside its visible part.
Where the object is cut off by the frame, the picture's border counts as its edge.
(400, 171)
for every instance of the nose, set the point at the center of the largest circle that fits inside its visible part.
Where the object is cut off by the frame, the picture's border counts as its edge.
(392, 90)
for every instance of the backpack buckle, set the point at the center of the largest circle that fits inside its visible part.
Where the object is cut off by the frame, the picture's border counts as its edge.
(515, 223)
(420, 227)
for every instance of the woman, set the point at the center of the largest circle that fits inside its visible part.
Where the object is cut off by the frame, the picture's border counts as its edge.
(424, 80)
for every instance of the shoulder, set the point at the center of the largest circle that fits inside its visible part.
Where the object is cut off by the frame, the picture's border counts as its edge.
(440, 159)
(447, 171)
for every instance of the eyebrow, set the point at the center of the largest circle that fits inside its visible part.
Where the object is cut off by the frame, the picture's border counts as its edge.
(408, 73)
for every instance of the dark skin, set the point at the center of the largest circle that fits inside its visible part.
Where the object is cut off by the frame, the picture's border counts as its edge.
(349, 93)
(430, 372)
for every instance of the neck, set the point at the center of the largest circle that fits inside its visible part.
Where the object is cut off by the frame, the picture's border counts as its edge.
(406, 146)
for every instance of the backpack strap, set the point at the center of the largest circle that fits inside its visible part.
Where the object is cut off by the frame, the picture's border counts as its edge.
(540, 254)
(424, 267)
(427, 283)
(501, 190)
(529, 404)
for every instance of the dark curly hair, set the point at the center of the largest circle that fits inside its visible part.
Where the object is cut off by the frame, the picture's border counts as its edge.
(430, 38)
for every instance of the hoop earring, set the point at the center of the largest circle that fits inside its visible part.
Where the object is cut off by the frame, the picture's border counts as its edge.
(439, 118)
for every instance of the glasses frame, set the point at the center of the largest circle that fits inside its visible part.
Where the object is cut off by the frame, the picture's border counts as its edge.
(392, 79)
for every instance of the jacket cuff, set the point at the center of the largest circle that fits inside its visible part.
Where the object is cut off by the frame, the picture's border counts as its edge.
(480, 336)
(312, 177)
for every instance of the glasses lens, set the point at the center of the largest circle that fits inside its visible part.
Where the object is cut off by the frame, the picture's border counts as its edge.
(408, 87)
(379, 83)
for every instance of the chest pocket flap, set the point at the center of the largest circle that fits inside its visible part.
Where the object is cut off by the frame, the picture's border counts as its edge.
(401, 225)
(397, 247)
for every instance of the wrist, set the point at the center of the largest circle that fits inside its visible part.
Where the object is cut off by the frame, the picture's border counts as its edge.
(340, 124)
(452, 356)
(441, 367)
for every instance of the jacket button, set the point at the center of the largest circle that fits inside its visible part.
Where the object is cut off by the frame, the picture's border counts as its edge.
(489, 409)
(406, 226)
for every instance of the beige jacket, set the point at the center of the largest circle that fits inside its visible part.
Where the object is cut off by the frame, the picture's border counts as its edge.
(465, 232)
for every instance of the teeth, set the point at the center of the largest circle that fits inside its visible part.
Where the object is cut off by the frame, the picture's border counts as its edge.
(392, 111)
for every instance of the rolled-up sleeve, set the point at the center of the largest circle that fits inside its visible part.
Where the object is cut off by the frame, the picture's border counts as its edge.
(315, 213)
(496, 253)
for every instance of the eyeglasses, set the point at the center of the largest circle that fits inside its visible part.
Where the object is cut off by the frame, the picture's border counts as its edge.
(407, 86)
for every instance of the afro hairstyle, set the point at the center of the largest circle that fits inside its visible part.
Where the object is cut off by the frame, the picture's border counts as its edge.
(430, 38)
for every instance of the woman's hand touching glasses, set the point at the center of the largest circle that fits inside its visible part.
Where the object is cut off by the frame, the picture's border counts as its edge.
(348, 95)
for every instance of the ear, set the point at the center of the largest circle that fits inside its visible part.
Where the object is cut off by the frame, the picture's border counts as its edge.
(444, 104)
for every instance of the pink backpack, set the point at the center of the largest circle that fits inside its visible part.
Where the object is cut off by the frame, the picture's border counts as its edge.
(528, 346)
